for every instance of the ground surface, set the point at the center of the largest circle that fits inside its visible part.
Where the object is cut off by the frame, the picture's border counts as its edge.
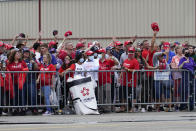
(161, 121)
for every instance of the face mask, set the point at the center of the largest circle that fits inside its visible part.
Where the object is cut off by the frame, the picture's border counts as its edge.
(91, 58)
(81, 60)
(106, 56)
(100, 56)
(95, 54)
(187, 54)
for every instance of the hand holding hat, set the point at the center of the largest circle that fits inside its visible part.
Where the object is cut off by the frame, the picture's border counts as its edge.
(55, 32)
(155, 27)
(68, 33)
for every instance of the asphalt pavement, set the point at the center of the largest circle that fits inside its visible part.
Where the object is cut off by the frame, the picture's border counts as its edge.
(149, 121)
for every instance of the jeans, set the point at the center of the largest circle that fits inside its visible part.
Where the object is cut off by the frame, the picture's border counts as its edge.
(163, 86)
(19, 96)
(46, 91)
(31, 92)
(104, 93)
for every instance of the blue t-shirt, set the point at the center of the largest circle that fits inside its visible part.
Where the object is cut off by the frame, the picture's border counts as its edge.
(171, 55)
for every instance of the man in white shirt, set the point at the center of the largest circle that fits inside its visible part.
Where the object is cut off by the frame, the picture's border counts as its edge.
(91, 65)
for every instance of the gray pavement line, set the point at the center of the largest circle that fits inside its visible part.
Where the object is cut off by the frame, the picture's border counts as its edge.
(65, 126)
(91, 125)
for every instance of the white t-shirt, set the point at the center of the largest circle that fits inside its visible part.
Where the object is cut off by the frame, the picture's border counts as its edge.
(79, 68)
(37, 56)
(92, 66)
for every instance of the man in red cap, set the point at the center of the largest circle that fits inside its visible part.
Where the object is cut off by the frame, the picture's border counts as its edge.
(129, 65)
(105, 64)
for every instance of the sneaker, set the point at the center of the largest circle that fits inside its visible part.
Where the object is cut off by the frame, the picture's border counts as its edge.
(47, 113)
(4, 114)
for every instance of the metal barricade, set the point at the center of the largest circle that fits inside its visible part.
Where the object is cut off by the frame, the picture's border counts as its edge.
(20, 89)
(166, 89)
(114, 89)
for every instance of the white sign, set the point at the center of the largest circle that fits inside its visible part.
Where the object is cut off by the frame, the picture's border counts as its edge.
(161, 75)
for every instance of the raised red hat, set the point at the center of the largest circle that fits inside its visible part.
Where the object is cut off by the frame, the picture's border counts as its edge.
(102, 50)
(88, 53)
(131, 49)
(117, 43)
(2, 44)
(128, 42)
(79, 45)
(8, 46)
(51, 43)
(166, 45)
(68, 33)
(155, 26)
(89, 44)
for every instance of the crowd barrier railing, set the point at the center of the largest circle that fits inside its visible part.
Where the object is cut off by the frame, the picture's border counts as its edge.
(114, 89)
(21, 89)
(168, 88)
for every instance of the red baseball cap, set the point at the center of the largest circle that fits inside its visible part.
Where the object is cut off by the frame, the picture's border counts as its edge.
(79, 45)
(102, 50)
(131, 49)
(88, 53)
(2, 44)
(51, 43)
(155, 26)
(117, 43)
(8, 47)
(166, 45)
(89, 44)
(68, 33)
(128, 42)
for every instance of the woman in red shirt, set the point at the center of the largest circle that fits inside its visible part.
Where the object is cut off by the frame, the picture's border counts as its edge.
(15, 63)
(46, 80)
(65, 90)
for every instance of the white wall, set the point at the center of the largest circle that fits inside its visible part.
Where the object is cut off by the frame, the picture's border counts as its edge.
(99, 18)
(17, 17)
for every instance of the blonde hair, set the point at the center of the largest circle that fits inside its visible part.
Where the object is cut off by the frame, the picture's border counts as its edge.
(49, 57)
(177, 47)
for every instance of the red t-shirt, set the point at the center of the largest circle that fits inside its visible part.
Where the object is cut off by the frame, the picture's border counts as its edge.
(46, 78)
(145, 53)
(130, 64)
(16, 67)
(67, 74)
(63, 54)
(150, 57)
(150, 61)
(105, 77)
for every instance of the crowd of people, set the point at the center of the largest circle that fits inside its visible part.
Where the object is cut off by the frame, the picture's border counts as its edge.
(109, 67)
